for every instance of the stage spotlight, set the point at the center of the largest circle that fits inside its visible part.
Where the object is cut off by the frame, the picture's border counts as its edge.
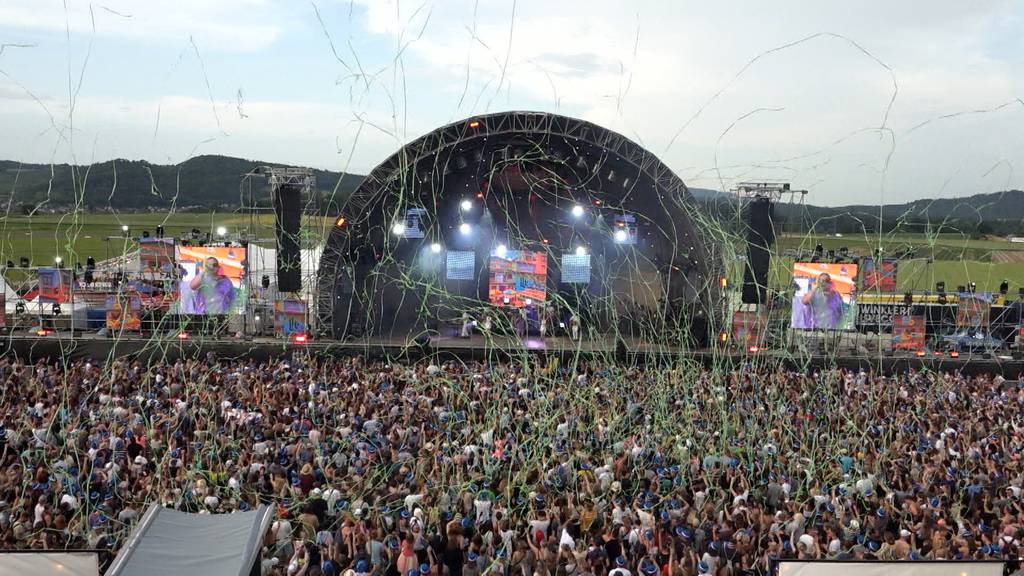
(577, 211)
(1004, 287)
(501, 251)
(621, 235)
(124, 229)
(474, 124)
(972, 287)
(183, 335)
(55, 309)
(435, 248)
(145, 233)
(300, 338)
(528, 301)
(58, 261)
(466, 205)
(222, 231)
(398, 229)
(160, 231)
(465, 229)
(581, 251)
(25, 262)
(340, 222)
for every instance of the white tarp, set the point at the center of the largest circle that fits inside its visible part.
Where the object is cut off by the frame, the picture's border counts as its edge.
(171, 543)
(908, 568)
(44, 563)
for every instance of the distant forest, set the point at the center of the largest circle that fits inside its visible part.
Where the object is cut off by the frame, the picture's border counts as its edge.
(198, 184)
(206, 182)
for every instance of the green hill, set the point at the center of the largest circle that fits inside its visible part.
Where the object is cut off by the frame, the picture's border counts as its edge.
(199, 183)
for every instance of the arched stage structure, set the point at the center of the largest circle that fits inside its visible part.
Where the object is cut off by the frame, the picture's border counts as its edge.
(515, 217)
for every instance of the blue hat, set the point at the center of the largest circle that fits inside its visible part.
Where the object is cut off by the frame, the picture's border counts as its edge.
(873, 545)
(830, 507)
(467, 522)
(649, 568)
(412, 573)
(362, 566)
(683, 532)
(880, 512)
(649, 534)
(703, 566)
(424, 568)
(620, 561)
(405, 513)
(935, 501)
(472, 556)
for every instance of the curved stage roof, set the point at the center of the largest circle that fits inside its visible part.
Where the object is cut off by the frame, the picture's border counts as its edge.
(520, 210)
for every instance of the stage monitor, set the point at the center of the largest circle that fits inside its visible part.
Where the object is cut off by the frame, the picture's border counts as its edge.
(460, 264)
(824, 296)
(576, 268)
(212, 280)
(518, 278)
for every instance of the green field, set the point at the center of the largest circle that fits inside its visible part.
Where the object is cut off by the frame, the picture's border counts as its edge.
(953, 258)
(75, 237)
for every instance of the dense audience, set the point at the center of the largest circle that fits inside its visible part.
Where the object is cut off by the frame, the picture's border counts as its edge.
(518, 469)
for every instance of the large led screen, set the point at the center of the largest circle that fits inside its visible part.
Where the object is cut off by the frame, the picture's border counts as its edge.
(824, 296)
(212, 279)
(517, 278)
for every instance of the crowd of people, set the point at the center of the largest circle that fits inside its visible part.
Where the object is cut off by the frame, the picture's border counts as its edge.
(518, 469)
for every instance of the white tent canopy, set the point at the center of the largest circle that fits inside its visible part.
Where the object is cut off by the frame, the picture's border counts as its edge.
(172, 543)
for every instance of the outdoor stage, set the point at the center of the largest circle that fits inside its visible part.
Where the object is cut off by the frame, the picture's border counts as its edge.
(625, 352)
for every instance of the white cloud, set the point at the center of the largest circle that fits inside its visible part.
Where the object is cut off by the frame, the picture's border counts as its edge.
(644, 69)
(225, 25)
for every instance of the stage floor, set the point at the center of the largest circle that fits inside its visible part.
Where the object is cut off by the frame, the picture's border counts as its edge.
(68, 346)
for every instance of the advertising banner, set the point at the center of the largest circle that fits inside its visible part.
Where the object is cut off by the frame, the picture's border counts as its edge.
(879, 276)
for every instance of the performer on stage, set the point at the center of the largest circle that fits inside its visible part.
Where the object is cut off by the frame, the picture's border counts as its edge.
(574, 326)
(467, 325)
(825, 302)
(213, 292)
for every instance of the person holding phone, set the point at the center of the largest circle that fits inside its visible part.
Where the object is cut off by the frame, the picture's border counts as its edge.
(213, 292)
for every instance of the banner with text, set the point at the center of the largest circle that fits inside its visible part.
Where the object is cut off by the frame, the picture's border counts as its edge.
(879, 317)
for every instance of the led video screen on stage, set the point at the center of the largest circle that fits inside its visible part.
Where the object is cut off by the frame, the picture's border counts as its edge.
(516, 277)
(576, 269)
(824, 296)
(459, 264)
(212, 280)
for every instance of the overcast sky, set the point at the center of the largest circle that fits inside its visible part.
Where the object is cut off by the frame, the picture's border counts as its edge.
(857, 102)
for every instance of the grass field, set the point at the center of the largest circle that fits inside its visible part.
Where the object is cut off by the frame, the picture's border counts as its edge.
(953, 258)
(76, 237)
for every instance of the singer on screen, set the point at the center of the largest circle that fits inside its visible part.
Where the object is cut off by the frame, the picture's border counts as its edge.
(825, 302)
(213, 292)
